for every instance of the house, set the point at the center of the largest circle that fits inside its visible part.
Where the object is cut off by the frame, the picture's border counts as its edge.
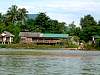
(41, 38)
(28, 37)
(6, 37)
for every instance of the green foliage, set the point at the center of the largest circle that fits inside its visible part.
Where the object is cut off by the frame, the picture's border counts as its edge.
(32, 46)
(30, 26)
(76, 38)
(68, 44)
(89, 47)
(98, 42)
(72, 30)
(87, 21)
(89, 28)
(2, 46)
(16, 20)
(55, 27)
(41, 21)
(2, 27)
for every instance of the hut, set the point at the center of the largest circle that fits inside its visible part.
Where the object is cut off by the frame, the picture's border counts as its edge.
(6, 37)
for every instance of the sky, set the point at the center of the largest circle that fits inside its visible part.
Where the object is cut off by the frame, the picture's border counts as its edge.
(61, 10)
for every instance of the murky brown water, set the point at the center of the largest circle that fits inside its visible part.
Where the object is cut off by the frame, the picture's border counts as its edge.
(77, 63)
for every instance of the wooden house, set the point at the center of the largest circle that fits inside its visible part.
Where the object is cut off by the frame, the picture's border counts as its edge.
(28, 37)
(41, 38)
(6, 37)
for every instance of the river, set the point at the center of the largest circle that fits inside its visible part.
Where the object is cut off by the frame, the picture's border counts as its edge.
(71, 63)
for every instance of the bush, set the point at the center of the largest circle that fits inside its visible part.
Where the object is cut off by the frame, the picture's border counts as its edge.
(32, 46)
(97, 42)
(2, 46)
(89, 47)
(69, 44)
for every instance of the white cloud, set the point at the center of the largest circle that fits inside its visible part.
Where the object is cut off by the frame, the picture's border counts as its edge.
(75, 5)
(68, 18)
(63, 10)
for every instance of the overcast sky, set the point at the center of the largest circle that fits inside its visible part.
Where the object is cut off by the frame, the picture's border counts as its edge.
(62, 10)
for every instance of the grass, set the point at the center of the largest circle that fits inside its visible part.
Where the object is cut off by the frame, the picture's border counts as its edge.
(30, 46)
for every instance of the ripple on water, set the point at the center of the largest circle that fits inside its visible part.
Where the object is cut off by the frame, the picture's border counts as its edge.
(51, 65)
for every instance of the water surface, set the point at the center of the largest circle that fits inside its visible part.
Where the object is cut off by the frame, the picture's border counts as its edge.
(71, 63)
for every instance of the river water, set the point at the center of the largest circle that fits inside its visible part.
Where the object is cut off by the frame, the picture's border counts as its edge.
(71, 63)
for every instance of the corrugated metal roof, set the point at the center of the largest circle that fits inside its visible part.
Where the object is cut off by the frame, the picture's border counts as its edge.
(37, 34)
(8, 33)
(29, 34)
(56, 35)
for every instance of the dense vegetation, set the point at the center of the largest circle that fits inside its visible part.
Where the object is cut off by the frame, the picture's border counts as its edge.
(16, 20)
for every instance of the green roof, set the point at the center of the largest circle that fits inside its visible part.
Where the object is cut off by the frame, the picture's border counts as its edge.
(55, 35)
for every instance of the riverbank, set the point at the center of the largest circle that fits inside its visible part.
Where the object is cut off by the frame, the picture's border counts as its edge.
(34, 46)
(29, 46)
(45, 47)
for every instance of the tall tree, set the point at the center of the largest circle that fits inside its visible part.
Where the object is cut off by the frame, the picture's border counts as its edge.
(30, 25)
(89, 27)
(72, 28)
(41, 21)
(15, 15)
(55, 27)
(87, 21)
(12, 14)
(22, 17)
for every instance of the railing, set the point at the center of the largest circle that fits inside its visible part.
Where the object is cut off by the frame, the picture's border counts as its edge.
(46, 41)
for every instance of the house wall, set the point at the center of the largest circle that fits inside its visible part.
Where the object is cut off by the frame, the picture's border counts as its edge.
(29, 40)
(0, 39)
(7, 39)
(45, 40)
(39, 40)
(26, 40)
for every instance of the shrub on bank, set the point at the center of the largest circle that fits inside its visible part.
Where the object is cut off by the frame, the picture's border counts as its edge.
(35, 46)
(69, 44)
(2, 46)
(89, 46)
(32, 46)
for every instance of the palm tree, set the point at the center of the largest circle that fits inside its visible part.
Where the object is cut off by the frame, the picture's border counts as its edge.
(22, 16)
(12, 14)
(15, 15)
